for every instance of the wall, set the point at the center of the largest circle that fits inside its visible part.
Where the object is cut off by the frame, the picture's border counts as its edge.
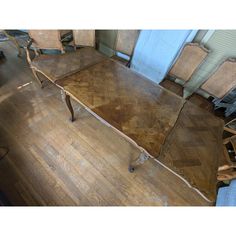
(199, 36)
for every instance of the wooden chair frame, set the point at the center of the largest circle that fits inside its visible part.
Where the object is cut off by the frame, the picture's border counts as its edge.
(83, 45)
(217, 99)
(37, 52)
(230, 130)
(29, 60)
(177, 67)
(200, 46)
(131, 55)
(60, 48)
(14, 41)
(226, 171)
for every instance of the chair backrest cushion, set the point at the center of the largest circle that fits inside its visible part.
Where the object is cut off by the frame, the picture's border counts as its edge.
(188, 61)
(84, 37)
(46, 39)
(223, 80)
(126, 40)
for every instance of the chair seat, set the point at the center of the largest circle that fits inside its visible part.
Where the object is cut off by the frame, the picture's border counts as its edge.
(120, 60)
(172, 86)
(202, 102)
(59, 66)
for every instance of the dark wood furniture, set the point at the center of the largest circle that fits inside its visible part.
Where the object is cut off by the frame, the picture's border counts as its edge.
(125, 44)
(133, 105)
(57, 66)
(227, 167)
(17, 41)
(220, 83)
(180, 136)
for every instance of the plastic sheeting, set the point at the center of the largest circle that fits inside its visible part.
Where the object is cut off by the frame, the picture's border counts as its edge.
(156, 51)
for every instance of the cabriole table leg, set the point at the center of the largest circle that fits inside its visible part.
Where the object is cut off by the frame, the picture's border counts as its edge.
(140, 160)
(68, 103)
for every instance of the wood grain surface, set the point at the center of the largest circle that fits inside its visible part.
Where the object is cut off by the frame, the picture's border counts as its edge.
(58, 66)
(54, 162)
(137, 107)
(148, 114)
(194, 147)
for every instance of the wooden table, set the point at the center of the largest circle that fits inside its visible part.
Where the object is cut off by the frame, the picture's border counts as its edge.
(56, 67)
(179, 135)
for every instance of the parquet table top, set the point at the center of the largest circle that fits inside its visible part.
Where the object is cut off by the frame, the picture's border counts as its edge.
(194, 147)
(187, 137)
(58, 66)
(137, 107)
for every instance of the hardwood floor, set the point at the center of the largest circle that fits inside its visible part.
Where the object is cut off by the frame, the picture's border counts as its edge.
(55, 162)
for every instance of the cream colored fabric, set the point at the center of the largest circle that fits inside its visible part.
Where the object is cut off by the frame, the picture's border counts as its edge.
(46, 39)
(84, 37)
(126, 40)
(189, 60)
(222, 80)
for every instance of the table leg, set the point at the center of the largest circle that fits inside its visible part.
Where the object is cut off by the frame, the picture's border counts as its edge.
(68, 103)
(138, 161)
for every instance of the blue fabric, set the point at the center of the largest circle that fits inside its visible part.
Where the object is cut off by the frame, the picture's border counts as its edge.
(227, 195)
(156, 50)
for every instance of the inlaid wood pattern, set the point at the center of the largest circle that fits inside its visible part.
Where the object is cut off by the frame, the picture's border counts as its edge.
(194, 147)
(58, 66)
(137, 107)
(148, 114)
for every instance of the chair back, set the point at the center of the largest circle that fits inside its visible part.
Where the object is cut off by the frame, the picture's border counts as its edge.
(46, 39)
(84, 38)
(126, 40)
(191, 57)
(223, 80)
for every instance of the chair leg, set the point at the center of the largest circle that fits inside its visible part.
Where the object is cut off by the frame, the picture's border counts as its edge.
(68, 103)
(37, 78)
(138, 161)
(128, 64)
